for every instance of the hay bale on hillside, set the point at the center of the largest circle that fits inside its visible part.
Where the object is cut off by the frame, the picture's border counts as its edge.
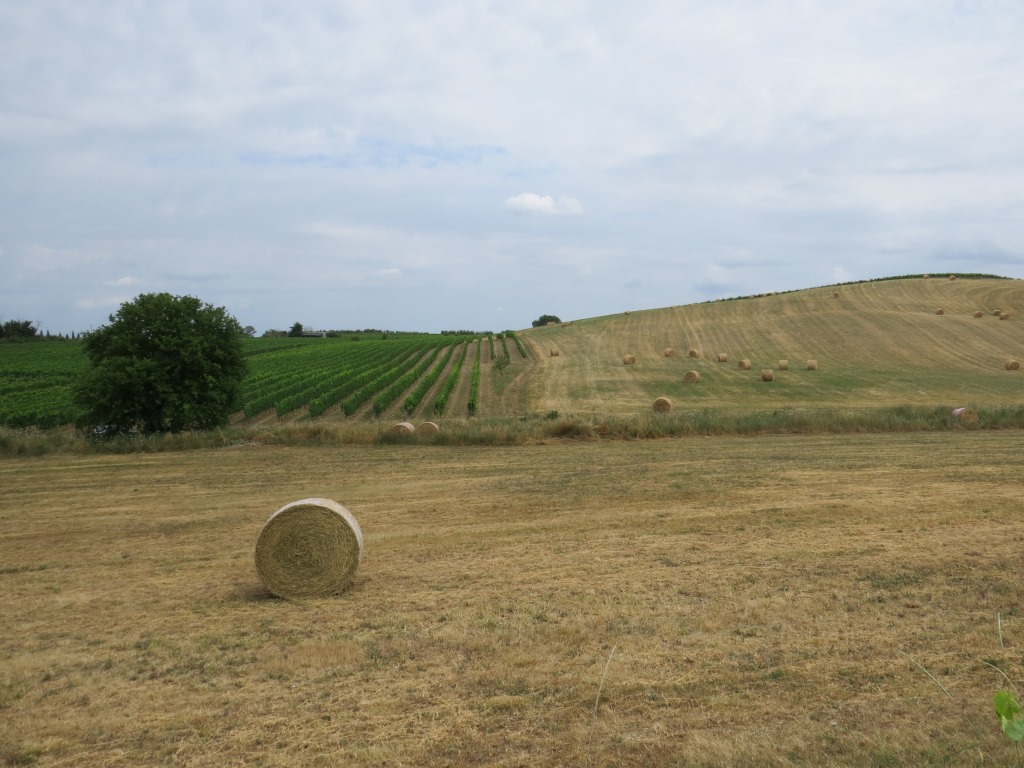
(1004, 315)
(1012, 365)
(427, 428)
(979, 313)
(812, 365)
(744, 365)
(662, 405)
(694, 353)
(723, 357)
(767, 375)
(403, 428)
(554, 353)
(691, 377)
(835, 294)
(965, 414)
(669, 352)
(925, 276)
(629, 360)
(309, 548)
(783, 365)
(940, 311)
(952, 278)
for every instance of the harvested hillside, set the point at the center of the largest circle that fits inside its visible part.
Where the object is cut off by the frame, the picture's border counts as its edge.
(881, 343)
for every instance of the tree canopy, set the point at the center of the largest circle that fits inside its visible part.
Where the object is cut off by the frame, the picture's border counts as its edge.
(544, 320)
(164, 364)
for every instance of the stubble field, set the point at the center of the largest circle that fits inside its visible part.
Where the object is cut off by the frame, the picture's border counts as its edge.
(758, 593)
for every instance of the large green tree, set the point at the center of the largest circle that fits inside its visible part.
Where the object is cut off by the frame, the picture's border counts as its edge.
(164, 364)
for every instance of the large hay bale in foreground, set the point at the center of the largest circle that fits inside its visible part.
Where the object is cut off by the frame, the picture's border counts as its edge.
(965, 414)
(427, 428)
(662, 405)
(1012, 365)
(723, 357)
(669, 352)
(767, 374)
(744, 365)
(309, 548)
(629, 360)
(783, 365)
(694, 353)
(403, 428)
(691, 377)
(812, 365)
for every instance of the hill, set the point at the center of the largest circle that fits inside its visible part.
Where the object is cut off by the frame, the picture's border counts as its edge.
(875, 343)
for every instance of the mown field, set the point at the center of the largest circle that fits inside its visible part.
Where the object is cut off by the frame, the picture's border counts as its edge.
(703, 601)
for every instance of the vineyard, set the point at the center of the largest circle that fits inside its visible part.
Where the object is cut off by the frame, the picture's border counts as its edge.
(400, 376)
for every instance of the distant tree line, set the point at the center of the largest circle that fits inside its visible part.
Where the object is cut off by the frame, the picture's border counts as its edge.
(26, 330)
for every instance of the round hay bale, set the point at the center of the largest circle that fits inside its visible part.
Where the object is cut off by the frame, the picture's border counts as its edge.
(783, 365)
(940, 311)
(554, 353)
(965, 414)
(812, 365)
(691, 377)
(427, 428)
(694, 353)
(403, 428)
(925, 276)
(309, 548)
(952, 277)
(1004, 315)
(1012, 365)
(979, 313)
(723, 357)
(835, 294)
(767, 375)
(629, 360)
(662, 405)
(669, 352)
(744, 365)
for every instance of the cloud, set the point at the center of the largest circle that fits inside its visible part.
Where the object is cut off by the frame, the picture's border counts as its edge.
(543, 205)
(124, 281)
(391, 272)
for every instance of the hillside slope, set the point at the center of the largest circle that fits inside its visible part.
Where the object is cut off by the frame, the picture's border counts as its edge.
(876, 343)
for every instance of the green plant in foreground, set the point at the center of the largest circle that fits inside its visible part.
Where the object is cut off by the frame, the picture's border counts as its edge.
(1010, 717)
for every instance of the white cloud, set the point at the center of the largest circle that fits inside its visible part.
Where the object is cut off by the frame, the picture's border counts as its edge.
(124, 281)
(391, 272)
(543, 205)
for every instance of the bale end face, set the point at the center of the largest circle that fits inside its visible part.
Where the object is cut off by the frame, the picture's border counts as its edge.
(403, 428)
(694, 353)
(662, 405)
(744, 365)
(309, 548)
(1012, 365)
(427, 428)
(691, 377)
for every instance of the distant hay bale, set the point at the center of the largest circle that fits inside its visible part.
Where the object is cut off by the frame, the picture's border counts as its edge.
(695, 353)
(997, 312)
(952, 277)
(767, 375)
(669, 352)
(403, 428)
(744, 365)
(783, 365)
(965, 414)
(979, 313)
(835, 294)
(554, 353)
(925, 276)
(309, 548)
(629, 360)
(1012, 365)
(723, 357)
(427, 428)
(691, 377)
(1004, 315)
(940, 311)
(662, 405)
(812, 365)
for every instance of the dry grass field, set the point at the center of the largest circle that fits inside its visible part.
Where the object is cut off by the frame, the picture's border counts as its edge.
(758, 594)
(878, 343)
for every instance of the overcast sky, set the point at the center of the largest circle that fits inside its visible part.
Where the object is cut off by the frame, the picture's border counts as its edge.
(426, 166)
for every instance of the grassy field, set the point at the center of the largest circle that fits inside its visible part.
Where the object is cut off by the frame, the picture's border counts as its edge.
(758, 594)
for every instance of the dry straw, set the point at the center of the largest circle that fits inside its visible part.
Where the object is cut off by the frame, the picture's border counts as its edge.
(629, 360)
(940, 311)
(812, 365)
(427, 428)
(662, 405)
(767, 375)
(695, 353)
(403, 428)
(669, 352)
(965, 414)
(1012, 365)
(744, 365)
(723, 357)
(783, 365)
(691, 377)
(309, 548)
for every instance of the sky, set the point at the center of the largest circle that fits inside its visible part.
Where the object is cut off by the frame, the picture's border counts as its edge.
(474, 165)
